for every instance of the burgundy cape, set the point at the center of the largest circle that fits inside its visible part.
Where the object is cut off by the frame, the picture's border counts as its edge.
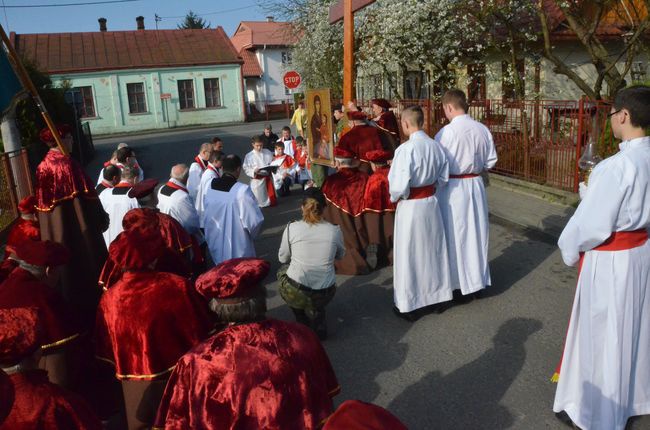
(70, 213)
(379, 214)
(147, 321)
(263, 375)
(23, 230)
(388, 124)
(361, 139)
(358, 415)
(344, 192)
(39, 404)
(22, 290)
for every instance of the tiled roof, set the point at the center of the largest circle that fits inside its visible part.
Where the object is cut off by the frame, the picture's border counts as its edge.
(251, 67)
(251, 34)
(114, 50)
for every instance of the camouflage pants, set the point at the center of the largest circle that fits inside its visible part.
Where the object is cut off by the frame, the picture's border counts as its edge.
(297, 296)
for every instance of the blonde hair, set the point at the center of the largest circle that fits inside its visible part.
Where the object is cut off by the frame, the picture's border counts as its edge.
(312, 211)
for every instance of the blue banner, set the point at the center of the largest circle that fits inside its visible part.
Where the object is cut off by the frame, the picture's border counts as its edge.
(9, 83)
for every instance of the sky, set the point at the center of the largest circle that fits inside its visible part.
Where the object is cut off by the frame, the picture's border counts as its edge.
(121, 16)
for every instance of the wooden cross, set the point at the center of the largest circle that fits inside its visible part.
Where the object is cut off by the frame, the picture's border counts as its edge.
(345, 9)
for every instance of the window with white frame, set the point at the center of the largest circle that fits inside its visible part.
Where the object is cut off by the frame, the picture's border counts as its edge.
(136, 96)
(212, 93)
(186, 94)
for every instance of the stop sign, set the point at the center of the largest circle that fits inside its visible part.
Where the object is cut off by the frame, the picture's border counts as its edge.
(292, 79)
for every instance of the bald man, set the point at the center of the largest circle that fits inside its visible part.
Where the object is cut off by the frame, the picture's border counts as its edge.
(174, 200)
(197, 168)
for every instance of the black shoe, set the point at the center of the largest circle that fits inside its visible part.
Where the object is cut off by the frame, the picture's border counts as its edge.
(462, 299)
(564, 418)
(408, 316)
(438, 308)
(371, 256)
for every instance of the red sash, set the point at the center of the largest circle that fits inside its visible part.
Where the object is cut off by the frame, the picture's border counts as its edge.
(618, 241)
(464, 176)
(123, 185)
(214, 170)
(107, 184)
(270, 189)
(175, 186)
(417, 193)
(200, 162)
(107, 163)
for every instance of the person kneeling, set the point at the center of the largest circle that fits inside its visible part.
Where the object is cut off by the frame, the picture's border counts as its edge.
(307, 283)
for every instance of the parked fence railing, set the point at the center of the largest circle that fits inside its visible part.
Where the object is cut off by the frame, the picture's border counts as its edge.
(15, 184)
(536, 140)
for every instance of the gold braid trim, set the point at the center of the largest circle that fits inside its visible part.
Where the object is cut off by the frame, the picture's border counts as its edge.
(355, 216)
(60, 342)
(120, 376)
(70, 197)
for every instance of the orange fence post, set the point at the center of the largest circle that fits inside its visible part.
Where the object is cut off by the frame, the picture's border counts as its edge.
(581, 128)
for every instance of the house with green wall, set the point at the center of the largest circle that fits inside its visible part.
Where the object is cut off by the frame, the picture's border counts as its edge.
(143, 79)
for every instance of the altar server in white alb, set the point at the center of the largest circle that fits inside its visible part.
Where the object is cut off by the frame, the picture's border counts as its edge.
(604, 376)
(421, 266)
(262, 186)
(117, 203)
(174, 200)
(232, 217)
(197, 168)
(213, 171)
(469, 147)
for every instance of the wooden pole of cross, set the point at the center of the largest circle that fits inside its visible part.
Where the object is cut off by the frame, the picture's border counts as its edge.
(344, 10)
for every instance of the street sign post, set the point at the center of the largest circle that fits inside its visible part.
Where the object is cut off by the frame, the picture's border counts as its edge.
(292, 80)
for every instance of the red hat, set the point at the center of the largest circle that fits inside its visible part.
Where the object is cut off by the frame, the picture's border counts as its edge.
(358, 415)
(19, 334)
(143, 188)
(357, 115)
(235, 278)
(46, 135)
(382, 103)
(27, 205)
(137, 248)
(379, 156)
(7, 395)
(343, 153)
(141, 217)
(42, 253)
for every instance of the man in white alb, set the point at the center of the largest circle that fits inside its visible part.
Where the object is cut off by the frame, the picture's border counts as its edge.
(261, 182)
(197, 168)
(117, 203)
(232, 218)
(604, 375)
(175, 201)
(470, 150)
(420, 267)
(213, 171)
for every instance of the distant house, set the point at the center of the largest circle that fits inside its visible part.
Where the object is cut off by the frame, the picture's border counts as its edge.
(143, 79)
(265, 47)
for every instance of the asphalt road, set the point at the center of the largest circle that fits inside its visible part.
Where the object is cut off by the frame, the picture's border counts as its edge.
(482, 365)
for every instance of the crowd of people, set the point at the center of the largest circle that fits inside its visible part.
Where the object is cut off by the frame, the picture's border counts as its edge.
(120, 300)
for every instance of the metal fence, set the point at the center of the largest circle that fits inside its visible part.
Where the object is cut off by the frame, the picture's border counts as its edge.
(536, 140)
(265, 110)
(15, 184)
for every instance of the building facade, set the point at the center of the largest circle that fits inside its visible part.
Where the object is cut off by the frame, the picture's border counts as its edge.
(145, 79)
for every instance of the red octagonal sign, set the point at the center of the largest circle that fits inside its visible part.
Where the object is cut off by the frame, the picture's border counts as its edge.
(292, 79)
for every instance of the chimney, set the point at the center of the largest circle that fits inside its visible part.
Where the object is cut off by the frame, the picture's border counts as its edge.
(270, 19)
(140, 21)
(102, 24)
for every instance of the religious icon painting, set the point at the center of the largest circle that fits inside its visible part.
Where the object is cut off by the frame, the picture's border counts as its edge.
(319, 126)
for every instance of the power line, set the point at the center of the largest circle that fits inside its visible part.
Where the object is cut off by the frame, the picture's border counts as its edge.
(65, 4)
(210, 13)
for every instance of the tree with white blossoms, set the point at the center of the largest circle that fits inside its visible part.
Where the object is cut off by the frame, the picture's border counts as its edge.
(318, 55)
(398, 35)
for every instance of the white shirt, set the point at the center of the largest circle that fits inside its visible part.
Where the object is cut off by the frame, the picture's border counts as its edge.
(208, 175)
(194, 179)
(288, 146)
(116, 203)
(468, 144)
(178, 204)
(232, 220)
(617, 199)
(253, 161)
(421, 163)
(310, 250)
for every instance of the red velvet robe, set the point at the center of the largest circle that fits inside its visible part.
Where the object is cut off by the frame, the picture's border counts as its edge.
(344, 192)
(379, 214)
(263, 375)
(22, 289)
(360, 140)
(39, 404)
(70, 213)
(388, 122)
(147, 321)
(23, 230)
